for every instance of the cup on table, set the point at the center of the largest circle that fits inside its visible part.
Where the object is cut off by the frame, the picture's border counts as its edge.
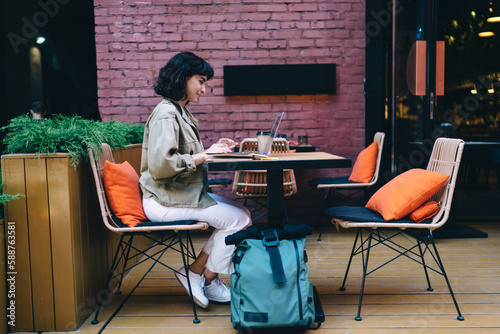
(262, 137)
(303, 141)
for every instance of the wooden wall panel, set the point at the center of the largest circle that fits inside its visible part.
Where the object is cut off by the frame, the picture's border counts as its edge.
(96, 240)
(80, 235)
(16, 211)
(3, 278)
(63, 245)
(134, 156)
(40, 246)
(120, 155)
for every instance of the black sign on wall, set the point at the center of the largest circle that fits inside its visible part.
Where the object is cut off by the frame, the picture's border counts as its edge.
(298, 79)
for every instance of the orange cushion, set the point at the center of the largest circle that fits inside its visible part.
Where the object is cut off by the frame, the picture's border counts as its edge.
(122, 189)
(406, 192)
(364, 167)
(425, 211)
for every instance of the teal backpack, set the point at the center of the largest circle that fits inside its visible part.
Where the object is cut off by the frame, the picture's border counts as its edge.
(270, 287)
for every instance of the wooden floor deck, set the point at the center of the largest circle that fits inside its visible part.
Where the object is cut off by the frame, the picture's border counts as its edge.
(396, 299)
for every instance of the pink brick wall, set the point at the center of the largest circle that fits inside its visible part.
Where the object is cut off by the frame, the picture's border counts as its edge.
(134, 39)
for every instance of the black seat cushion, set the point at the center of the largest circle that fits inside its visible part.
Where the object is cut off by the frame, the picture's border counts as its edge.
(362, 214)
(150, 223)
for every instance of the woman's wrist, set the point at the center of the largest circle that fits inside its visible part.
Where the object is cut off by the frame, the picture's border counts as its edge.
(200, 158)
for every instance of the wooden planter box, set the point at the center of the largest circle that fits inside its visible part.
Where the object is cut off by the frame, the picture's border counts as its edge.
(62, 248)
(3, 282)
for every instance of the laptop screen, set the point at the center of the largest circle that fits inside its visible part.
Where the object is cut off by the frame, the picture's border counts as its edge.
(274, 131)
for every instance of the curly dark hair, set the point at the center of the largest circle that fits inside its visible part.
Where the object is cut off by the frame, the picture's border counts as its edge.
(171, 82)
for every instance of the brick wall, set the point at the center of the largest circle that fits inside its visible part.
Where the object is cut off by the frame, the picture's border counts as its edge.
(134, 39)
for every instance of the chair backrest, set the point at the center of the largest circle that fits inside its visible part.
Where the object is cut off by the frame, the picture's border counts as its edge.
(97, 164)
(280, 145)
(379, 138)
(254, 183)
(445, 158)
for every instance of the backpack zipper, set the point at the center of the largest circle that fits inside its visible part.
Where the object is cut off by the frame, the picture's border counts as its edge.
(237, 279)
(299, 295)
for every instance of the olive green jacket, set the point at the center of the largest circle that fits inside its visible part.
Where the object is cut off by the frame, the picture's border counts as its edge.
(168, 172)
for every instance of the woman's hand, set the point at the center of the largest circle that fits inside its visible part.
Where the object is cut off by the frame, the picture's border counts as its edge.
(226, 141)
(223, 145)
(219, 148)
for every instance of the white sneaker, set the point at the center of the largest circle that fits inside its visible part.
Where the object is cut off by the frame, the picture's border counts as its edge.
(218, 291)
(197, 286)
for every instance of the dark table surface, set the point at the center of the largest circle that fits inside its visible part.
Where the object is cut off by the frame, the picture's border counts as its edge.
(299, 160)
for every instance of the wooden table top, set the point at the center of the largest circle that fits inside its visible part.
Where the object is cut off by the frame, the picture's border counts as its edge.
(298, 160)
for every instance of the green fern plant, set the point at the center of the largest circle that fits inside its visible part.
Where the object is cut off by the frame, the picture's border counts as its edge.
(68, 134)
(4, 198)
(122, 134)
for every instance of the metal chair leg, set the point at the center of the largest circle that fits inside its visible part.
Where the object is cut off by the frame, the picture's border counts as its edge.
(365, 269)
(342, 288)
(118, 309)
(186, 270)
(256, 207)
(321, 222)
(110, 275)
(423, 263)
(126, 257)
(441, 267)
(191, 246)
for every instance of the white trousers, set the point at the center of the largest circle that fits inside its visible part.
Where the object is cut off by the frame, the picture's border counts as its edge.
(226, 217)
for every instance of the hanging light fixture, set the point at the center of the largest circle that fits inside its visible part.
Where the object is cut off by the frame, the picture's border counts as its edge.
(494, 18)
(486, 34)
(491, 18)
(486, 30)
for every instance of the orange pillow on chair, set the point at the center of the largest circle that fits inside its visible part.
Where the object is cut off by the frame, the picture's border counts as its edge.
(406, 192)
(425, 211)
(122, 189)
(364, 167)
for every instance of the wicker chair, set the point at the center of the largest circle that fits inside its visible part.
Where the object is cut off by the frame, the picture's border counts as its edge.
(172, 235)
(335, 185)
(445, 158)
(252, 185)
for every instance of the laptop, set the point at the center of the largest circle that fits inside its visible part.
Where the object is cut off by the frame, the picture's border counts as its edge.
(267, 148)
